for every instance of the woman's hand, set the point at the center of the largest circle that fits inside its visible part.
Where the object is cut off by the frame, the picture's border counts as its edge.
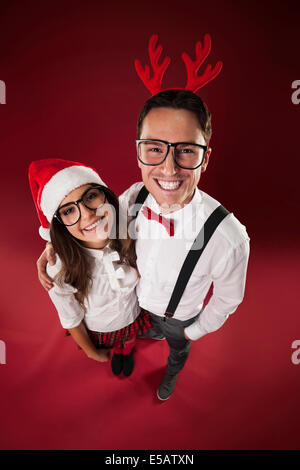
(100, 355)
(81, 337)
(48, 256)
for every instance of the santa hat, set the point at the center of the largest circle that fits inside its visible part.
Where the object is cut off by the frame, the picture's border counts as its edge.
(51, 180)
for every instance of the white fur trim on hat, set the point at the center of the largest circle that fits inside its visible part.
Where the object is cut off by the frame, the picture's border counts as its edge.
(62, 183)
(45, 233)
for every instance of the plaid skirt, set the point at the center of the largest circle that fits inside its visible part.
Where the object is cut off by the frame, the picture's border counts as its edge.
(115, 338)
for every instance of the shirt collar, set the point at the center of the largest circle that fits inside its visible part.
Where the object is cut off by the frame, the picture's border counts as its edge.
(190, 207)
(98, 253)
(188, 220)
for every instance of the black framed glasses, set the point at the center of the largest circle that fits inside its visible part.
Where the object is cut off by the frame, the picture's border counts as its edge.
(187, 155)
(69, 214)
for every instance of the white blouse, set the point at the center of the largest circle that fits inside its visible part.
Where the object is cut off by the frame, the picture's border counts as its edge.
(112, 302)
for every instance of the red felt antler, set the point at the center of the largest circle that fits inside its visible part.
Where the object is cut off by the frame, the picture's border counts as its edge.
(153, 84)
(194, 82)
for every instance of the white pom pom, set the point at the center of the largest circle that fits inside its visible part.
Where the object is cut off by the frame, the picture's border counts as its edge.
(45, 233)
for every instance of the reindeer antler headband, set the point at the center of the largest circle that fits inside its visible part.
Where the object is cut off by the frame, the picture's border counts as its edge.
(194, 82)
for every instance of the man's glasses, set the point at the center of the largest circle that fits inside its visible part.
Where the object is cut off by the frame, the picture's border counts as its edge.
(69, 213)
(186, 155)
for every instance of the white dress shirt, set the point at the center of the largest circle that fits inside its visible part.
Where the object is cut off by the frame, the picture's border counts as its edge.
(160, 258)
(112, 302)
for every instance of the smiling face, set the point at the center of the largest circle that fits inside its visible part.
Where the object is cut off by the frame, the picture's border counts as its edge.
(92, 230)
(169, 184)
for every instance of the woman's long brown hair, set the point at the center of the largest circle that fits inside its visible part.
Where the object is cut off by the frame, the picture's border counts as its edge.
(76, 262)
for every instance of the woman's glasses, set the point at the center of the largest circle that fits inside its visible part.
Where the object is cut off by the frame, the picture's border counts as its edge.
(69, 213)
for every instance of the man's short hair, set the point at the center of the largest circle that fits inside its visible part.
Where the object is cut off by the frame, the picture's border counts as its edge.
(179, 99)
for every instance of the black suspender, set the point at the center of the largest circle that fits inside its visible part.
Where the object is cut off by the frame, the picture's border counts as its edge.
(193, 255)
(140, 199)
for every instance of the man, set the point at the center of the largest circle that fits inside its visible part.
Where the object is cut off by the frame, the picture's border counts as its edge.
(173, 133)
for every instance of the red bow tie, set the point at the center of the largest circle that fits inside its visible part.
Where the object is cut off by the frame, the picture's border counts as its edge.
(167, 223)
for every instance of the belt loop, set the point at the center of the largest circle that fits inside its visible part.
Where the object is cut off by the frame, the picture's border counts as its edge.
(167, 315)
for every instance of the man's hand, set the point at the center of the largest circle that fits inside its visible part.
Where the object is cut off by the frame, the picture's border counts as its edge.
(186, 336)
(48, 256)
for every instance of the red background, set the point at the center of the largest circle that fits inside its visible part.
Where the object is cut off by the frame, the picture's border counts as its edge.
(72, 92)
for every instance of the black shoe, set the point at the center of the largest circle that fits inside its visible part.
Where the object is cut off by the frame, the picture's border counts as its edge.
(128, 364)
(117, 364)
(167, 386)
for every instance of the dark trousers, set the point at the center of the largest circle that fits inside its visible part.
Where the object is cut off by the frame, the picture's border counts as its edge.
(173, 330)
